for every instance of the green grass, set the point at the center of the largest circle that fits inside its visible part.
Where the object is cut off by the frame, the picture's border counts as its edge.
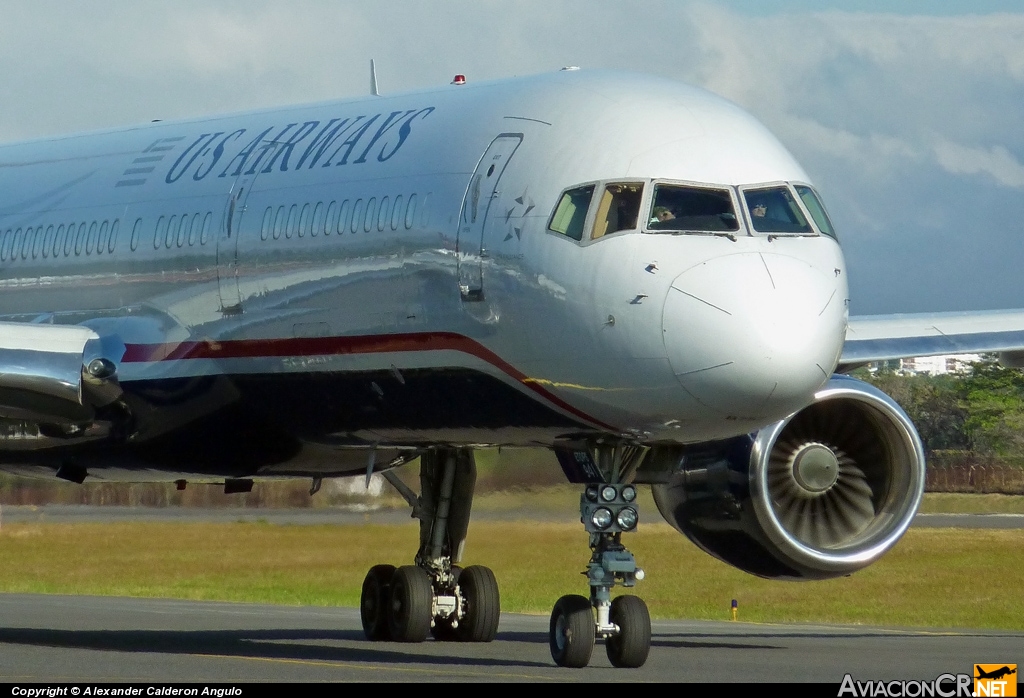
(954, 503)
(935, 577)
(562, 501)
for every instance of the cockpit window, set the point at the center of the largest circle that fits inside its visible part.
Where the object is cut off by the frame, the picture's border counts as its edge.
(571, 213)
(775, 210)
(678, 208)
(618, 209)
(817, 211)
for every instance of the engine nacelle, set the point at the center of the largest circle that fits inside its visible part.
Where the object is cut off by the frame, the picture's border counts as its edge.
(817, 495)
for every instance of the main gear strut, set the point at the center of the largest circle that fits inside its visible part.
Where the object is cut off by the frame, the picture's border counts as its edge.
(434, 595)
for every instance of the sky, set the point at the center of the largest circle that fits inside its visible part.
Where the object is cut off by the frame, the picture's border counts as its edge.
(907, 115)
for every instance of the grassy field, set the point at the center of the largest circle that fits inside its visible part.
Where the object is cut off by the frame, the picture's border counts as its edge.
(955, 503)
(564, 500)
(935, 577)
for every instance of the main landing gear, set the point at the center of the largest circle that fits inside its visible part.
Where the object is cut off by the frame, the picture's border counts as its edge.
(434, 596)
(607, 511)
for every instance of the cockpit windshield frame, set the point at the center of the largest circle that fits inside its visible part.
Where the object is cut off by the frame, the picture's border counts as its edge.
(619, 207)
(565, 220)
(793, 219)
(776, 226)
(599, 191)
(824, 223)
(709, 224)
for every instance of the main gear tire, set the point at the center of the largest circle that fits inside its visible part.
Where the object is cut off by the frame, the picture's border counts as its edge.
(411, 602)
(482, 605)
(375, 601)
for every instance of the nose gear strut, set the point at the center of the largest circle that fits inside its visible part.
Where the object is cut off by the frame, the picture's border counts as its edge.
(607, 511)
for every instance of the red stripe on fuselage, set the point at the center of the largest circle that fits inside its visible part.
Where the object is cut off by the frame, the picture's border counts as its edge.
(334, 346)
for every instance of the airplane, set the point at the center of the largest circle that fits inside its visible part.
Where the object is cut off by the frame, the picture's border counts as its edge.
(631, 272)
(995, 673)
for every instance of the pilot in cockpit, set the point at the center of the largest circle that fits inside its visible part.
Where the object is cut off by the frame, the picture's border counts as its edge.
(661, 214)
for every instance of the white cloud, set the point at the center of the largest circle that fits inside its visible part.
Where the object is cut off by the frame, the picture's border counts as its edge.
(871, 150)
(886, 112)
(905, 78)
(996, 161)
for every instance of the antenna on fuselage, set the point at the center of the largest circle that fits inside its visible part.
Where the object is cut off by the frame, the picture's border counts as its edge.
(373, 79)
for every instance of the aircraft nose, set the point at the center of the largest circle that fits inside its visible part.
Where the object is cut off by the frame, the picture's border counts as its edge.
(754, 335)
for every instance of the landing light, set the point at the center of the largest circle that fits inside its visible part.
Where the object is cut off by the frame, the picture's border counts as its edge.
(627, 519)
(606, 508)
(601, 518)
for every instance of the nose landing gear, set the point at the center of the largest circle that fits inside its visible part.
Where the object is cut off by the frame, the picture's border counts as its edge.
(624, 623)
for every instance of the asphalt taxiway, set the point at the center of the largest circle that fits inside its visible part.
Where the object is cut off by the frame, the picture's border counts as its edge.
(98, 639)
(78, 639)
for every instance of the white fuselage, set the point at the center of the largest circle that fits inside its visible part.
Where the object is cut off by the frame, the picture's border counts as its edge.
(358, 271)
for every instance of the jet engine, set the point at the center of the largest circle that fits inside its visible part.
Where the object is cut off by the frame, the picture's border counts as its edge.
(820, 494)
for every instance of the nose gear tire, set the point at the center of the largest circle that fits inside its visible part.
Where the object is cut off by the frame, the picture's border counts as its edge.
(571, 632)
(630, 647)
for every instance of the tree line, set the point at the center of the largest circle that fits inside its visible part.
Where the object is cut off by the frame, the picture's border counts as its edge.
(976, 416)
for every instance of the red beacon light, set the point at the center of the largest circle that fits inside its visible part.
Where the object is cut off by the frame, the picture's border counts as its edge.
(459, 80)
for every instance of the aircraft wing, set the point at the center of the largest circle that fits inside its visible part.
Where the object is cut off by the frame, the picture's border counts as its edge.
(54, 373)
(884, 337)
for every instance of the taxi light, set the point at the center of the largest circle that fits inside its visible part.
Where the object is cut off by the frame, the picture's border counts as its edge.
(591, 493)
(608, 493)
(628, 493)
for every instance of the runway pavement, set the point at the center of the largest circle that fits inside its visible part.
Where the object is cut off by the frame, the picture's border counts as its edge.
(98, 639)
(78, 639)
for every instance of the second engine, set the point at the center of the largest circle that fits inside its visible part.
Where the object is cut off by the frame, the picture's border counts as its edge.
(819, 494)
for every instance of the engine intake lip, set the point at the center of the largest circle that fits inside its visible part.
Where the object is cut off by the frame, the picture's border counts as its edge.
(896, 489)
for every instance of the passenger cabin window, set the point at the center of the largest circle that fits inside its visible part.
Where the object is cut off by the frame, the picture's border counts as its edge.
(694, 209)
(571, 213)
(775, 210)
(813, 204)
(618, 209)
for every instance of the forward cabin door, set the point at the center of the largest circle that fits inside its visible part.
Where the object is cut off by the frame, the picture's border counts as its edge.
(228, 251)
(476, 209)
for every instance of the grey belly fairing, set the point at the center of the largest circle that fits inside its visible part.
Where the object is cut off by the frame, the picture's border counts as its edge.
(312, 424)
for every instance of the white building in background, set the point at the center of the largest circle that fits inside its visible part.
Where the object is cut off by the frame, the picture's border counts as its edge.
(939, 365)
